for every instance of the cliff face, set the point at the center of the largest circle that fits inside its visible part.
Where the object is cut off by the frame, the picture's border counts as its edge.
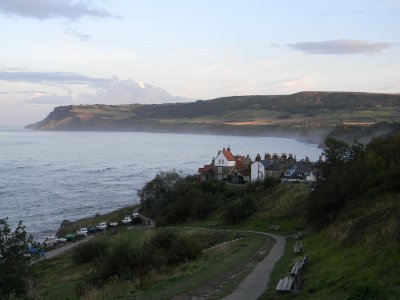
(301, 114)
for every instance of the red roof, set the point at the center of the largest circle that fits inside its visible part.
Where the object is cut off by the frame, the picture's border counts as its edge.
(206, 169)
(228, 155)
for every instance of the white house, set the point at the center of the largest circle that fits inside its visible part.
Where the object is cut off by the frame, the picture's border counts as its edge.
(257, 171)
(224, 163)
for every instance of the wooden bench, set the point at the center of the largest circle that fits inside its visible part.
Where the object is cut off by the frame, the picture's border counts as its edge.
(296, 269)
(305, 260)
(297, 236)
(298, 248)
(274, 227)
(285, 285)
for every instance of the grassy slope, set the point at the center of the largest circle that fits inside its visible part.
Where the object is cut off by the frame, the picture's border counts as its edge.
(60, 276)
(354, 258)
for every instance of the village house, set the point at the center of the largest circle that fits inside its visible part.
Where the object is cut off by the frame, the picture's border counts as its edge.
(240, 169)
(283, 167)
(227, 167)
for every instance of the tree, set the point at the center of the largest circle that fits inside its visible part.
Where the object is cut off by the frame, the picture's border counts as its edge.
(15, 259)
(153, 196)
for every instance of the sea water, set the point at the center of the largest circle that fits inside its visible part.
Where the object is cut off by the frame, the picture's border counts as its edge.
(46, 177)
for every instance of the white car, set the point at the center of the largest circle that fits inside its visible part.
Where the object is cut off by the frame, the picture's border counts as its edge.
(82, 232)
(102, 226)
(52, 240)
(126, 220)
(114, 224)
(135, 215)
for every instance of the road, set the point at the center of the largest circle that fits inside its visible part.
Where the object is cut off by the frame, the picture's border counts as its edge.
(62, 249)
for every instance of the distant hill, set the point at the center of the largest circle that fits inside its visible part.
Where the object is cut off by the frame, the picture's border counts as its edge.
(308, 115)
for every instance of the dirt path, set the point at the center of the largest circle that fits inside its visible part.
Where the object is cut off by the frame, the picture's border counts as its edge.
(256, 282)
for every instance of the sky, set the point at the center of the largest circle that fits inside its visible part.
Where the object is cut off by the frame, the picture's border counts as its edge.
(62, 52)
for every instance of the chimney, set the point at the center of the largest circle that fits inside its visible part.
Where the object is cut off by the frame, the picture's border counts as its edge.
(228, 149)
(258, 157)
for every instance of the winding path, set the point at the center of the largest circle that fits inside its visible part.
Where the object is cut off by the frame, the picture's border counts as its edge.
(256, 282)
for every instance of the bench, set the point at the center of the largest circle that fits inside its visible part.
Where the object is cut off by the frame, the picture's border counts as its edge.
(274, 227)
(305, 260)
(285, 285)
(297, 236)
(298, 248)
(296, 269)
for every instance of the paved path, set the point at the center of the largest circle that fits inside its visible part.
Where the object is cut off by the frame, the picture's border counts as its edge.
(62, 249)
(256, 282)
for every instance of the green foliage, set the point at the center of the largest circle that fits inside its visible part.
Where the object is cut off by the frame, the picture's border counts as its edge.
(127, 260)
(351, 173)
(239, 210)
(89, 251)
(15, 259)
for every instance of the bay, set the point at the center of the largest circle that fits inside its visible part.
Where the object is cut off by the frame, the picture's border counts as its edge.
(46, 177)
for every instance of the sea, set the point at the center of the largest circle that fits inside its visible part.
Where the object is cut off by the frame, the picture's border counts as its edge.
(47, 177)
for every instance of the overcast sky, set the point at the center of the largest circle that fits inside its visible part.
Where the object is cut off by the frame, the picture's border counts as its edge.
(60, 52)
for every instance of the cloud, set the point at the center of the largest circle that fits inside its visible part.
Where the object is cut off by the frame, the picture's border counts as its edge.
(340, 47)
(50, 9)
(49, 77)
(50, 99)
(128, 91)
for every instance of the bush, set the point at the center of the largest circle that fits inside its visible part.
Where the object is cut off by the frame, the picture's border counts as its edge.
(239, 210)
(89, 251)
(15, 260)
(124, 260)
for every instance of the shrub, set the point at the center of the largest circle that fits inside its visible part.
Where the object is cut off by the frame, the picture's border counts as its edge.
(89, 251)
(239, 210)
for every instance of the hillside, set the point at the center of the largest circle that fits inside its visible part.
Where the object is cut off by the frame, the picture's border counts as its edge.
(306, 115)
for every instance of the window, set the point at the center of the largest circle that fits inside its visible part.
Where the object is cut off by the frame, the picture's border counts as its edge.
(219, 169)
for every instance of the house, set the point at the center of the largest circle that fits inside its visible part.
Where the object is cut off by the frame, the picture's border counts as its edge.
(271, 166)
(224, 164)
(227, 167)
(206, 172)
(242, 169)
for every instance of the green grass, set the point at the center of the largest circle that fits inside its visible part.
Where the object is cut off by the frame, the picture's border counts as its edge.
(59, 277)
(341, 272)
(208, 269)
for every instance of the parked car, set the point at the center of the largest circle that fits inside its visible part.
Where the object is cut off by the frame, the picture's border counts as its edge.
(135, 215)
(126, 220)
(70, 237)
(114, 224)
(102, 226)
(52, 240)
(82, 232)
(34, 251)
(91, 229)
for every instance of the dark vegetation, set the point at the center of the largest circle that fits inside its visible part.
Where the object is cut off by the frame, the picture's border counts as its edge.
(126, 260)
(170, 199)
(15, 260)
(358, 176)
